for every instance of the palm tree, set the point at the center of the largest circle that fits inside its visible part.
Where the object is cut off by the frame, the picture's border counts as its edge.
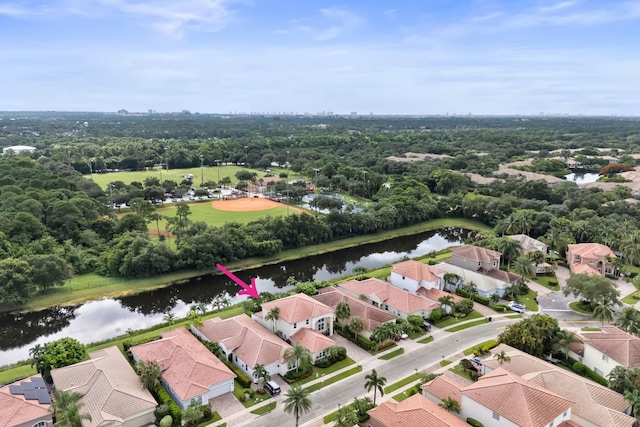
(510, 292)
(343, 311)
(346, 417)
(537, 257)
(523, 266)
(451, 278)
(633, 397)
(494, 298)
(447, 301)
(301, 355)
(194, 318)
(629, 320)
(502, 357)
(509, 248)
(149, 373)
(472, 289)
(603, 310)
(169, 317)
(261, 373)
(155, 216)
(297, 402)
(450, 405)
(631, 247)
(273, 315)
(356, 325)
(373, 381)
(201, 308)
(66, 406)
(564, 339)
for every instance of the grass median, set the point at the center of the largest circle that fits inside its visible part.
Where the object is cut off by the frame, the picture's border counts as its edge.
(334, 379)
(403, 382)
(393, 354)
(467, 325)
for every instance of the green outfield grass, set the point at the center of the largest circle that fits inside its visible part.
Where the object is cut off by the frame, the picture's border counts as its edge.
(210, 174)
(205, 213)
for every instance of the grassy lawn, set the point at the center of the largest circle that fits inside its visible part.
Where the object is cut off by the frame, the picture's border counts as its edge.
(452, 320)
(321, 372)
(513, 316)
(210, 174)
(265, 409)
(393, 354)
(239, 392)
(529, 301)
(467, 325)
(444, 363)
(426, 340)
(334, 379)
(575, 306)
(590, 329)
(629, 299)
(88, 287)
(329, 418)
(470, 350)
(460, 371)
(404, 395)
(544, 281)
(413, 335)
(24, 370)
(403, 382)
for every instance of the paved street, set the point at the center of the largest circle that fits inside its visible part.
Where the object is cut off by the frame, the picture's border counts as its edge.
(422, 356)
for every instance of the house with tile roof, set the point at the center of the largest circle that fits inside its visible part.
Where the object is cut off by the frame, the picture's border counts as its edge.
(246, 343)
(486, 284)
(529, 244)
(475, 258)
(415, 411)
(314, 341)
(396, 301)
(594, 405)
(501, 398)
(19, 408)
(190, 372)
(112, 393)
(297, 312)
(371, 316)
(412, 275)
(590, 258)
(608, 348)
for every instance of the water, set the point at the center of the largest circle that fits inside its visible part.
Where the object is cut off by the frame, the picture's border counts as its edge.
(100, 320)
(582, 178)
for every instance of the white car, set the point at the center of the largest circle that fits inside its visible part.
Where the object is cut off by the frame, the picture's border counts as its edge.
(518, 307)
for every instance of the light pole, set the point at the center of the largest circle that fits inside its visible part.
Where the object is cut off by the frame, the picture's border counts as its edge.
(91, 169)
(218, 164)
(111, 194)
(364, 174)
(201, 171)
(317, 170)
(166, 158)
(246, 155)
(287, 182)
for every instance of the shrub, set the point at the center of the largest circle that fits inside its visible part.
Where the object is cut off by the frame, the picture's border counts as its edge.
(293, 376)
(474, 423)
(462, 293)
(464, 307)
(242, 378)
(467, 365)
(482, 300)
(579, 368)
(592, 375)
(166, 421)
(436, 315)
(161, 411)
(174, 410)
(323, 363)
(553, 283)
(500, 308)
(342, 353)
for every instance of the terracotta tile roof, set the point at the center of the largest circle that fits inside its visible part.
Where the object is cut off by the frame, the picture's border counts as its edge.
(417, 271)
(529, 244)
(520, 401)
(476, 253)
(371, 316)
(595, 403)
(395, 297)
(504, 276)
(585, 269)
(312, 340)
(435, 294)
(577, 348)
(569, 423)
(443, 387)
(484, 282)
(188, 366)
(591, 250)
(249, 340)
(416, 411)
(16, 410)
(297, 308)
(112, 391)
(620, 346)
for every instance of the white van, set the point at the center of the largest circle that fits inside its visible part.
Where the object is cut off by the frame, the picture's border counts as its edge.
(272, 387)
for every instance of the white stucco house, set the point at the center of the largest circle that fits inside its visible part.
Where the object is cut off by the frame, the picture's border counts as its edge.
(603, 350)
(412, 275)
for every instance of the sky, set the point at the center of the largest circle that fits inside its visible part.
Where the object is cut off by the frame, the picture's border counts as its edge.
(496, 57)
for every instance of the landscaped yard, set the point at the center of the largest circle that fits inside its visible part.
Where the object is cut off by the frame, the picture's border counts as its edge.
(241, 394)
(452, 320)
(467, 325)
(426, 340)
(470, 350)
(264, 409)
(334, 379)
(321, 372)
(460, 371)
(544, 281)
(529, 301)
(629, 299)
(575, 306)
(403, 382)
(393, 354)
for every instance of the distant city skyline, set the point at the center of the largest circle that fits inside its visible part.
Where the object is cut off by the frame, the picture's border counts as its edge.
(429, 57)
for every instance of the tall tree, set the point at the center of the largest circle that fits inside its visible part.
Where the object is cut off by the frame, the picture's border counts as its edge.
(273, 315)
(450, 405)
(564, 339)
(534, 335)
(149, 372)
(591, 288)
(356, 325)
(301, 355)
(373, 381)
(48, 270)
(629, 320)
(346, 417)
(603, 311)
(343, 312)
(446, 301)
(297, 402)
(523, 266)
(260, 373)
(502, 357)
(509, 248)
(67, 405)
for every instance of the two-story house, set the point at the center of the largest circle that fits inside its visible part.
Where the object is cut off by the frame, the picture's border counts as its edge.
(397, 301)
(604, 350)
(591, 258)
(190, 372)
(26, 403)
(246, 343)
(475, 258)
(412, 275)
(501, 398)
(414, 411)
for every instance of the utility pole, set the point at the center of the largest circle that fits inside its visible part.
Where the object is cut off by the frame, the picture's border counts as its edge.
(201, 171)
(218, 164)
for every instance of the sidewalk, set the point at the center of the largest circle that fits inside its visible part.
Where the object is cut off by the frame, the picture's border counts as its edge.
(371, 362)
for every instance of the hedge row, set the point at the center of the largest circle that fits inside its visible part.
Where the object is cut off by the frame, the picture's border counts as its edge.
(242, 378)
(474, 423)
(172, 407)
(581, 369)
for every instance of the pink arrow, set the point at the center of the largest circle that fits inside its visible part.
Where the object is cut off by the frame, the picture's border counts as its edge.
(251, 290)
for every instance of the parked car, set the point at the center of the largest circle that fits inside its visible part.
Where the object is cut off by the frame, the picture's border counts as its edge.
(518, 307)
(272, 387)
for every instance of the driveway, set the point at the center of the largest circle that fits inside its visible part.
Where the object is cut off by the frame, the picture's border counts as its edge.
(226, 405)
(353, 351)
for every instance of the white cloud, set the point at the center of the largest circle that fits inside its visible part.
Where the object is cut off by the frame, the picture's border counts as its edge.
(340, 22)
(13, 10)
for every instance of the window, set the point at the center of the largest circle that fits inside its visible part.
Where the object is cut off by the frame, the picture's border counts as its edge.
(295, 326)
(592, 261)
(307, 321)
(496, 416)
(321, 324)
(551, 424)
(605, 357)
(565, 413)
(40, 424)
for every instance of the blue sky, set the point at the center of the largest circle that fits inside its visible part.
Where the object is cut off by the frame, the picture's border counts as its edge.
(385, 57)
